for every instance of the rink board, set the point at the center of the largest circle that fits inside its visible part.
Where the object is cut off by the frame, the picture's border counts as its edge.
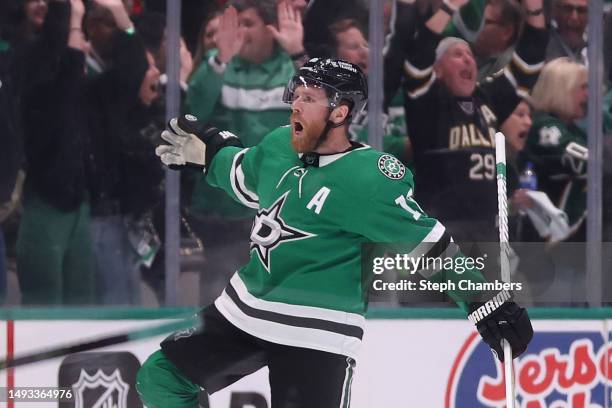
(408, 359)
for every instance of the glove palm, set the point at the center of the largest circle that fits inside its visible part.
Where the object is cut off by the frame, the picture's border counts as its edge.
(192, 143)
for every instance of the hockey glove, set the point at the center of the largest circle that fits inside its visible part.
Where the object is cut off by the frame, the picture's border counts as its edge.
(500, 318)
(192, 143)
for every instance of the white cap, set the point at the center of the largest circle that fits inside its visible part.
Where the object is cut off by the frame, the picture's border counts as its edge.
(445, 44)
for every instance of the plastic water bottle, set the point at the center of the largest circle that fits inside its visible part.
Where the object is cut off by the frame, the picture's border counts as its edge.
(528, 178)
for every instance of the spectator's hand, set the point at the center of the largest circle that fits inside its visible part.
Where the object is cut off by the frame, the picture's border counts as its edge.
(120, 14)
(76, 38)
(230, 35)
(440, 19)
(290, 32)
(186, 62)
(521, 200)
(457, 4)
(77, 11)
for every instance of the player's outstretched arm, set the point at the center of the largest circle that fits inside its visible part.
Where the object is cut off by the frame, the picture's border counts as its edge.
(192, 143)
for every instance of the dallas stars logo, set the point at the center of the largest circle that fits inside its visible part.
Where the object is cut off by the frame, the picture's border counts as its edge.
(391, 167)
(270, 230)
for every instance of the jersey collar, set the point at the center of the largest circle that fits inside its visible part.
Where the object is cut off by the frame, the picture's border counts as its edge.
(315, 159)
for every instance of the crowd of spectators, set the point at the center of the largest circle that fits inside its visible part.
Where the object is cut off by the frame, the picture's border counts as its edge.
(82, 87)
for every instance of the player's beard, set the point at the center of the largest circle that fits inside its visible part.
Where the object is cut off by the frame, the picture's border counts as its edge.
(308, 138)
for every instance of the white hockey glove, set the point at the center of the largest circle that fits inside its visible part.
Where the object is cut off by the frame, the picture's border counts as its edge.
(192, 143)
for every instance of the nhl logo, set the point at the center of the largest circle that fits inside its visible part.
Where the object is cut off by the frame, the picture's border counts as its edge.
(391, 167)
(109, 390)
(310, 159)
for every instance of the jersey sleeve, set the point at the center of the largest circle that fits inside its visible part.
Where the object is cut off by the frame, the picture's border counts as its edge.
(389, 214)
(232, 170)
(418, 67)
(515, 80)
(557, 149)
(237, 170)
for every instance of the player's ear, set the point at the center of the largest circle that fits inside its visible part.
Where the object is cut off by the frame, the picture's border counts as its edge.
(339, 114)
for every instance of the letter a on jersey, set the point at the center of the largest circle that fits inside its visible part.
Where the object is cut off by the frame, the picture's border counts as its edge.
(270, 231)
(318, 200)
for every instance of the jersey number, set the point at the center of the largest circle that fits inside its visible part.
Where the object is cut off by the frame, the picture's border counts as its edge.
(483, 166)
(403, 202)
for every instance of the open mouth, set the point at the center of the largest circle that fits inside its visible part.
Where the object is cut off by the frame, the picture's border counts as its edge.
(465, 74)
(297, 127)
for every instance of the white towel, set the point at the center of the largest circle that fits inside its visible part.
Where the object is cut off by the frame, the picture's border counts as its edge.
(548, 220)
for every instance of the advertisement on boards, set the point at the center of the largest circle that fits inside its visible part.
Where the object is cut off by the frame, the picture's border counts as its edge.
(404, 363)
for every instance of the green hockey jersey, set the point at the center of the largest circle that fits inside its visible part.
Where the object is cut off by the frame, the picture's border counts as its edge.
(303, 285)
(561, 165)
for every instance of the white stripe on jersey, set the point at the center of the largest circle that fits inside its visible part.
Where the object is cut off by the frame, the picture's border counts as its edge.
(256, 100)
(337, 316)
(426, 244)
(423, 89)
(525, 66)
(246, 196)
(415, 72)
(280, 333)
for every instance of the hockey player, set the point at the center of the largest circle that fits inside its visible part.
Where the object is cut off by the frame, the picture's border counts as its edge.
(298, 305)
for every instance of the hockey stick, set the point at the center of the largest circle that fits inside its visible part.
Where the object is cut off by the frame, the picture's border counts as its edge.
(192, 321)
(502, 207)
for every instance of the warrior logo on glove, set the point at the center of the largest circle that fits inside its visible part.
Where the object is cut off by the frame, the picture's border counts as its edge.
(192, 143)
(500, 318)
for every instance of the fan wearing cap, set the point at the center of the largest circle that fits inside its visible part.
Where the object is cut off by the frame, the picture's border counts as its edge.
(452, 119)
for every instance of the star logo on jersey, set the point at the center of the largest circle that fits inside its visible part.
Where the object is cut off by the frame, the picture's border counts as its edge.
(549, 136)
(270, 230)
(391, 167)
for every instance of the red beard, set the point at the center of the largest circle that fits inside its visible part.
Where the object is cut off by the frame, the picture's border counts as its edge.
(307, 139)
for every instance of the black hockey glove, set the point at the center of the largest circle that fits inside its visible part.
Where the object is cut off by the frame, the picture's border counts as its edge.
(500, 318)
(192, 143)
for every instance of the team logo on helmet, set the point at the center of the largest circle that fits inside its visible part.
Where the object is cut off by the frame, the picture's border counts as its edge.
(391, 167)
(191, 118)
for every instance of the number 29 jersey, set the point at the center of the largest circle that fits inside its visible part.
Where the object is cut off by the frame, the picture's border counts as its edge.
(303, 284)
(453, 137)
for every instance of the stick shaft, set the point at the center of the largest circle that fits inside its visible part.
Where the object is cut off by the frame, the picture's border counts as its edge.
(99, 343)
(502, 206)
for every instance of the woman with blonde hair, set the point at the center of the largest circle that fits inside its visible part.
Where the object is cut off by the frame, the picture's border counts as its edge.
(559, 145)
(562, 90)
(559, 152)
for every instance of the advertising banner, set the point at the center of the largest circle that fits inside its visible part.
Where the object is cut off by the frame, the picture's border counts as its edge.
(404, 363)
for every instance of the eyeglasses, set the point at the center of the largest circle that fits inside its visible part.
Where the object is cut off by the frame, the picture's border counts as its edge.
(570, 8)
